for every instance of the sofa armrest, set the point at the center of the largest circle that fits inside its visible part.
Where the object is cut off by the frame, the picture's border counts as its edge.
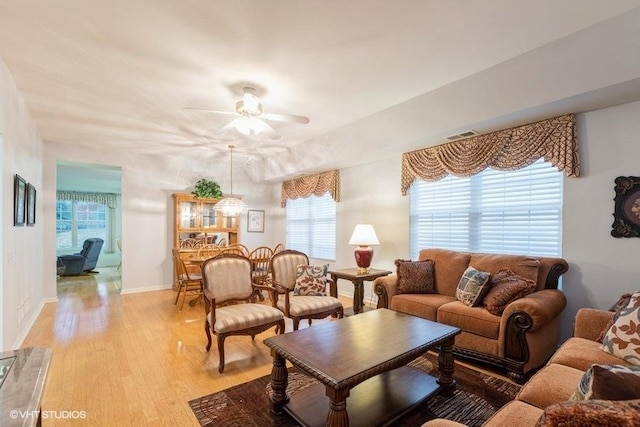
(385, 287)
(540, 307)
(590, 322)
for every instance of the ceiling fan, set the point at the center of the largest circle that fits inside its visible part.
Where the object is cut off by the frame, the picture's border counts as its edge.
(253, 119)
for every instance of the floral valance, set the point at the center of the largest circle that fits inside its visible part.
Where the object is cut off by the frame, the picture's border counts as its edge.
(316, 184)
(108, 199)
(509, 149)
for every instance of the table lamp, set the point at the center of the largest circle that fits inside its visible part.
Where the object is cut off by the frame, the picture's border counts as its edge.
(363, 236)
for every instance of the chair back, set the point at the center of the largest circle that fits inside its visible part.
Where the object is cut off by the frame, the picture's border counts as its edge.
(278, 248)
(227, 277)
(238, 249)
(283, 267)
(91, 250)
(182, 272)
(208, 251)
(260, 258)
(223, 241)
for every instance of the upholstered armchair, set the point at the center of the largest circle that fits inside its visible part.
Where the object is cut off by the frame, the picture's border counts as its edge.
(283, 268)
(230, 305)
(83, 261)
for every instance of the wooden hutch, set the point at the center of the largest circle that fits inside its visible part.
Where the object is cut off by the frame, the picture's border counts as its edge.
(196, 219)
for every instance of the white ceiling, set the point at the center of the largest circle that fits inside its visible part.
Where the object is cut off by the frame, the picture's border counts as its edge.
(118, 73)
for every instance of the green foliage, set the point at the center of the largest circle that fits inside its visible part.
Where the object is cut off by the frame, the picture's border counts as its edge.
(207, 189)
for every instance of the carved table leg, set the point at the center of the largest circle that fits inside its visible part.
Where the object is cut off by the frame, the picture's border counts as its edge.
(337, 416)
(445, 367)
(279, 380)
(358, 296)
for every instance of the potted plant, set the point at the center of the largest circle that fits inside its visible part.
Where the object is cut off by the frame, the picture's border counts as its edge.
(207, 189)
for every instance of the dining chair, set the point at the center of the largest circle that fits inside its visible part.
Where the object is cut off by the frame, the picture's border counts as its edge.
(223, 241)
(230, 307)
(237, 248)
(284, 268)
(278, 248)
(188, 282)
(208, 251)
(260, 258)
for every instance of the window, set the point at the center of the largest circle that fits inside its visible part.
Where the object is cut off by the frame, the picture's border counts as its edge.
(77, 221)
(515, 212)
(311, 226)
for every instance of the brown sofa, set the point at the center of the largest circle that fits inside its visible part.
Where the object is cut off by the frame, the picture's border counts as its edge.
(557, 381)
(520, 340)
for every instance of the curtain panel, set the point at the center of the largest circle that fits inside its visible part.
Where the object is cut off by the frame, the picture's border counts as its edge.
(316, 184)
(509, 149)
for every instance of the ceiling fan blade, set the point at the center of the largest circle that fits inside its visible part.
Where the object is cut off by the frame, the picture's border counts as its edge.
(228, 113)
(270, 132)
(285, 118)
(228, 127)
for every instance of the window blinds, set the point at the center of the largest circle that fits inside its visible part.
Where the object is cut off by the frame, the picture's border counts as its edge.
(515, 212)
(311, 226)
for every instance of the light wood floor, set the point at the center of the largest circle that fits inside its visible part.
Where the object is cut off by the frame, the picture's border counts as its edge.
(134, 359)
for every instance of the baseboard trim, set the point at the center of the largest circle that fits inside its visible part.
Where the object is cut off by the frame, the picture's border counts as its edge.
(29, 325)
(147, 289)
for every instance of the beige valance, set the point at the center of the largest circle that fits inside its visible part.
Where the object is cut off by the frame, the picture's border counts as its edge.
(108, 199)
(316, 184)
(510, 149)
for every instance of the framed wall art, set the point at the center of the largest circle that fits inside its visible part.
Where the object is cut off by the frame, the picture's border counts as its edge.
(19, 197)
(626, 213)
(31, 205)
(255, 221)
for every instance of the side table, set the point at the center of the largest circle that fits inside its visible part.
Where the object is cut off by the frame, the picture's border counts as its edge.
(358, 280)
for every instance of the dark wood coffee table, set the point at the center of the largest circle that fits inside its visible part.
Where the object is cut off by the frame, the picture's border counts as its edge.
(361, 357)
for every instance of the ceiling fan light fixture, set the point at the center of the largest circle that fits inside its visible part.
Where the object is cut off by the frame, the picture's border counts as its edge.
(249, 125)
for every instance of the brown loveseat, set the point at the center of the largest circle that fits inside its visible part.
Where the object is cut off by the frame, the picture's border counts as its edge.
(520, 340)
(559, 379)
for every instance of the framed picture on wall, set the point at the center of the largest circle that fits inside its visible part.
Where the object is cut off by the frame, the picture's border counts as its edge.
(19, 198)
(626, 213)
(31, 205)
(255, 221)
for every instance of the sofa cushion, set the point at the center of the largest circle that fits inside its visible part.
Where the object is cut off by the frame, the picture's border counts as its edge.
(622, 338)
(581, 353)
(414, 277)
(515, 413)
(472, 287)
(622, 302)
(506, 286)
(422, 305)
(448, 267)
(311, 280)
(553, 384)
(522, 265)
(596, 413)
(476, 320)
(609, 382)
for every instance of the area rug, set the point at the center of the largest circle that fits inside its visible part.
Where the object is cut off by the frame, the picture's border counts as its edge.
(477, 397)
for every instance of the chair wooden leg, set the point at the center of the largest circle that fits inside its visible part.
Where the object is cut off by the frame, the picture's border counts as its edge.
(280, 327)
(221, 351)
(208, 331)
(178, 295)
(296, 323)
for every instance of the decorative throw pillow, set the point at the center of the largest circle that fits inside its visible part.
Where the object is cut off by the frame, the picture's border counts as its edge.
(609, 382)
(472, 287)
(414, 277)
(597, 413)
(311, 280)
(506, 286)
(623, 337)
(623, 301)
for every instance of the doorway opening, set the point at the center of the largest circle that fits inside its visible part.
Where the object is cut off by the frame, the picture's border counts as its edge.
(88, 223)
